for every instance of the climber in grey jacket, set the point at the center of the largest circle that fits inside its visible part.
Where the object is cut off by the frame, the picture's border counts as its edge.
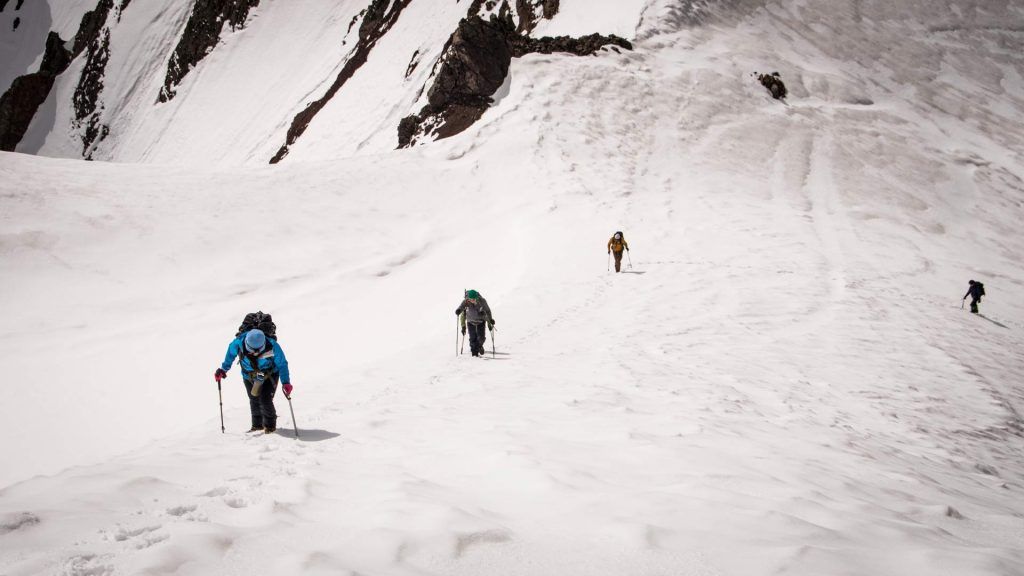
(475, 313)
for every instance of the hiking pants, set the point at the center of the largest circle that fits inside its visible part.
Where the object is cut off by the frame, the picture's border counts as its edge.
(618, 259)
(477, 337)
(262, 406)
(974, 304)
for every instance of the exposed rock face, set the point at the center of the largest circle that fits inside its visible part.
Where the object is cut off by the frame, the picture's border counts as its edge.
(532, 11)
(377, 21)
(774, 85)
(474, 65)
(201, 35)
(93, 38)
(27, 93)
(86, 99)
(3, 4)
(92, 23)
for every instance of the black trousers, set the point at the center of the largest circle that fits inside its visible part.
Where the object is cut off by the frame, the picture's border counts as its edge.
(618, 260)
(974, 304)
(261, 406)
(477, 337)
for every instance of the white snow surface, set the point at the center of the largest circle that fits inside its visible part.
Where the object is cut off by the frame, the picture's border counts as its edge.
(782, 382)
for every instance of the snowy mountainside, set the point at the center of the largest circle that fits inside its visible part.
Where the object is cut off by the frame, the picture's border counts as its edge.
(783, 382)
(306, 80)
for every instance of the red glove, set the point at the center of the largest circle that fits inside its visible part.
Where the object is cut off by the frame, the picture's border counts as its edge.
(287, 390)
(219, 375)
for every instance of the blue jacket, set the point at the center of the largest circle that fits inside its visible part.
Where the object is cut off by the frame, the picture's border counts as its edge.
(271, 360)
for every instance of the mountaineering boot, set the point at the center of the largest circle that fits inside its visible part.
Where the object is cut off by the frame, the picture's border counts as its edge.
(269, 430)
(255, 429)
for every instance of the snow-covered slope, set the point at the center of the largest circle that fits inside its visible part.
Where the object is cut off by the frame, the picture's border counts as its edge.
(237, 103)
(784, 383)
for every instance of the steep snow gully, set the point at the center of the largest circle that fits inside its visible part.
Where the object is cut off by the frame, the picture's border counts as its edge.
(782, 381)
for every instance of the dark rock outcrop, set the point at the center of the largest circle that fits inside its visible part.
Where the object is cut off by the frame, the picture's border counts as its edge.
(16, 23)
(474, 65)
(414, 62)
(377, 21)
(529, 16)
(3, 4)
(93, 38)
(92, 23)
(27, 93)
(774, 84)
(86, 99)
(202, 32)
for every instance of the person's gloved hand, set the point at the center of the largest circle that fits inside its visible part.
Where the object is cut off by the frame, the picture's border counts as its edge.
(463, 330)
(491, 323)
(287, 390)
(627, 249)
(219, 375)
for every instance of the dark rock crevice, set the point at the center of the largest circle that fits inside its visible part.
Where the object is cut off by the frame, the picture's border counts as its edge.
(86, 99)
(201, 35)
(414, 62)
(377, 21)
(93, 38)
(473, 67)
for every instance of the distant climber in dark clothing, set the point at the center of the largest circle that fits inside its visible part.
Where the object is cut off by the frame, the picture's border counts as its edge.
(475, 314)
(976, 291)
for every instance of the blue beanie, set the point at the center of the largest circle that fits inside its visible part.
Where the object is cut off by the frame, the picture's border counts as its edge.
(255, 340)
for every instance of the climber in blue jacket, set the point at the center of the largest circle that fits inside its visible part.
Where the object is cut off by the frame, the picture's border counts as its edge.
(263, 363)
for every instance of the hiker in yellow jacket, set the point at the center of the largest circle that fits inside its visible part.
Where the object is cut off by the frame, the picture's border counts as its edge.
(615, 246)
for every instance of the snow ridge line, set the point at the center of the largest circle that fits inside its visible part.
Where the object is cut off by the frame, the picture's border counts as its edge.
(377, 22)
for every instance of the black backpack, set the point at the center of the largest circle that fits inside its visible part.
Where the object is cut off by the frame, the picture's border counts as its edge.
(981, 288)
(258, 320)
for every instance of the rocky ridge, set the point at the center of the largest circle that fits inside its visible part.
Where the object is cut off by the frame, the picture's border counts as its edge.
(201, 35)
(474, 65)
(27, 93)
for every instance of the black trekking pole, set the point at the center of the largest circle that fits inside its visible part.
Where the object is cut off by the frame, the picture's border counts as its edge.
(493, 353)
(294, 425)
(220, 395)
(608, 268)
(630, 260)
(456, 336)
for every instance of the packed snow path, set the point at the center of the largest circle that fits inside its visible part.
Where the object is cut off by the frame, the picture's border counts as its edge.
(783, 383)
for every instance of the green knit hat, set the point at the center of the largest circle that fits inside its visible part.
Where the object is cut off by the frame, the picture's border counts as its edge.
(472, 294)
